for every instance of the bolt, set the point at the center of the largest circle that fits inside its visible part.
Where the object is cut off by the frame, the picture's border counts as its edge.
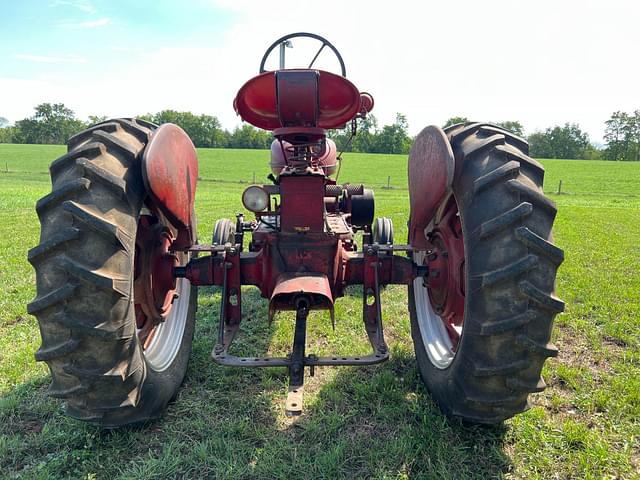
(218, 349)
(432, 257)
(445, 254)
(439, 309)
(434, 273)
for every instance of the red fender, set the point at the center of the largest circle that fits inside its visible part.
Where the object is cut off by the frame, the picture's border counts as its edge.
(431, 170)
(170, 173)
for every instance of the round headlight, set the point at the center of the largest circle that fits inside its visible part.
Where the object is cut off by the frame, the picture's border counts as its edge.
(255, 198)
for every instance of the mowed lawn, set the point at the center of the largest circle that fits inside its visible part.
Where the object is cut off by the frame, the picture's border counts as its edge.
(374, 422)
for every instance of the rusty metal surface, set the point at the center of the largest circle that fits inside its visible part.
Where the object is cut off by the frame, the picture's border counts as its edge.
(337, 224)
(310, 360)
(292, 283)
(446, 279)
(293, 405)
(431, 169)
(154, 284)
(170, 173)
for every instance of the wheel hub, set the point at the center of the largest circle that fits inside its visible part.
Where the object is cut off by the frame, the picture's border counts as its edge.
(445, 283)
(154, 283)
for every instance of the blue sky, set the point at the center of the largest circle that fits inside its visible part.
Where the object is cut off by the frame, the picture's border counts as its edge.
(542, 62)
(81, 37)
(88, 28)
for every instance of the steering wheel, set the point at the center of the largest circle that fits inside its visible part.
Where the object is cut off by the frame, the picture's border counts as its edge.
(325, 43)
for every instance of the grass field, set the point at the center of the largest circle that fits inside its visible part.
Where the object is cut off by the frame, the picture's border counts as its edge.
(376, 422)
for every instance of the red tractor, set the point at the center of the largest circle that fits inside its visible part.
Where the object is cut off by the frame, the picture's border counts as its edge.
(118, 264)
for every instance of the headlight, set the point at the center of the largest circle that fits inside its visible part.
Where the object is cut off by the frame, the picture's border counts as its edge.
(254, 198)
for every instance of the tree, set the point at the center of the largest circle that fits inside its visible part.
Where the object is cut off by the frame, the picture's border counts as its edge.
(559, 142)
(394, 138)
(51, 124)
(454, 121)
(634, 128)
(622, 135)
(204, 130)
(614, 136)
(3, 122)
(366, 134)
(513, 126)
(7, 134)
(95, 119)
(248, 136)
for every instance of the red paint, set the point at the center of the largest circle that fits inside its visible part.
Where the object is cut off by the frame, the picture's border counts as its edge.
(297, 97)
(431, 169)
(154, 284)
(302, 201)
(259, 101)
(305, 243)
(366, 103)
(290, 285)
(447, 270)
(170, 173)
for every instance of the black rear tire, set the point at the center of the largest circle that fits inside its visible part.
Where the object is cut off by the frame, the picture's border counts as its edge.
(510, 270)
(84, 273)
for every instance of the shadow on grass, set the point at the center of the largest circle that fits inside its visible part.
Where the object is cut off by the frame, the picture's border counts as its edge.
(372, 422)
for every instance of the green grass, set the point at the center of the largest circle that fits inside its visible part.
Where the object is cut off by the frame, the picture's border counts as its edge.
(375, 422)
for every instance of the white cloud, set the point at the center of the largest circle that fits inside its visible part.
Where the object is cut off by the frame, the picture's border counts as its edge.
(50, 59)
(80, 5)
(543, 62)
(492, 61)
(72, 24)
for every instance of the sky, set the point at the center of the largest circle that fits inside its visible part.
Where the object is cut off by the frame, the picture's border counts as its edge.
(540, 62)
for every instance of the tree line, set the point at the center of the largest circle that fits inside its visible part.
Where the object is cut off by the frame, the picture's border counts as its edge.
(55, 123)
(622, 134)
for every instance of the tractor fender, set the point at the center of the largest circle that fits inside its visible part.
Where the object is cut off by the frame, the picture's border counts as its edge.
(170, 174)
(431, 171)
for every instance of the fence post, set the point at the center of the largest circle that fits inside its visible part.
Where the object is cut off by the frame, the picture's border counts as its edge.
(254, 178)
(388, 182)
(560, 187)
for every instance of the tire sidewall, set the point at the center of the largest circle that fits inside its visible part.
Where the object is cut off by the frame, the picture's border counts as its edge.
(161, 387)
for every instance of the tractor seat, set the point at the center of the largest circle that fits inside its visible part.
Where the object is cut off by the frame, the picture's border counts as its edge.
(298, 98)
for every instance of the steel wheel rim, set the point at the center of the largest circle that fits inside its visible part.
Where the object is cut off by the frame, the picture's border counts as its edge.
(167, 336)
(433, 332)
(161, 301)
(440, 297)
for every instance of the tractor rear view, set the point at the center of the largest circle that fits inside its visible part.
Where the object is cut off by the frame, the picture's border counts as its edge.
(119, 263)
